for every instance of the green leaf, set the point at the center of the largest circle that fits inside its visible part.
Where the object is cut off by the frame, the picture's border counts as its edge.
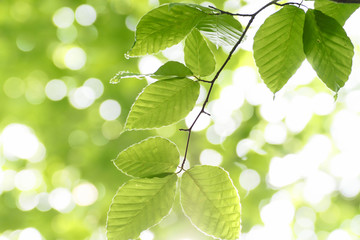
(163, 103)
(169, 70)
(138, 205)
(198, 56)
(340, 12)
(222, 30)
(278, 47)
(151, 157)
(328, 49)
(173, 69)
(163, 27)
(211, 202)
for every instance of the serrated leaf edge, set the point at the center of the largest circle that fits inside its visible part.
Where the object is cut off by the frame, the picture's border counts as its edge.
(125, 129)
(176, 187)
(146, 139)
(237, 193)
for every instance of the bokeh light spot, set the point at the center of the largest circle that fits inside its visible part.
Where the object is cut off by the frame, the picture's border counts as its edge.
(275, 133)
(63, 17)
(85, 15)
(14, 87)
(30, 233)
(61, 200)
(56, 90)
(27, 201)
(27, 179)
(210, 157)
(96, 85)
(43, 202)
(339, 234)
(82, 97)
(147, 235)
(249, 179)
(19, 141)
(7, 180)
(111, 129)
(75, 58)
(85, 194)
(110, 110)
(25, 44)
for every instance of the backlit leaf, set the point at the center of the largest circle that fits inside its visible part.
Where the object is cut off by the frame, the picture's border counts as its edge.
(339, 11)
(278, 47)
(163, 27)
(211, 202)
(198, 56)
(138, 205)
(222, 30)
(150, 157)
(163, 103)
(173, 69)
(328, 49)
(169, 70)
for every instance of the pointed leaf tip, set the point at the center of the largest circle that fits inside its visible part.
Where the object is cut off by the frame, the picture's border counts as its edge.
(278, 46)
(328, 49)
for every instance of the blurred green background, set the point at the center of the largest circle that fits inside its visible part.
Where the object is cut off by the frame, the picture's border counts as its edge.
(295, 160)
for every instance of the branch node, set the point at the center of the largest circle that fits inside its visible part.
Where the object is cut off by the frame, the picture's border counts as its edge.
(203, 111)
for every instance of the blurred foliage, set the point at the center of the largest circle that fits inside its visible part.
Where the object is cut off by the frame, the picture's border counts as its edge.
(80, 143)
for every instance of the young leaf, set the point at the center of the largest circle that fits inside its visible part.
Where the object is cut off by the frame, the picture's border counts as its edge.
(198, 56)
(340, 12)
(211, 202)
(151, 157)
(173, 69)
(328, 49)
(138, 205)
(278, 47)
(169, 70)
(163, 103)
(163, 27)
(222, 30)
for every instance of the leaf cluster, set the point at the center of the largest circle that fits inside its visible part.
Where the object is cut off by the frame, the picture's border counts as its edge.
(208, 197)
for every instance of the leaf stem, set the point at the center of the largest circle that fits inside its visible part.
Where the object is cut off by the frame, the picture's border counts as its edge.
(212, 82)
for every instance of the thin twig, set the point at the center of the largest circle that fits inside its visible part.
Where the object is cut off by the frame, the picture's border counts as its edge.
(201, 80)
(212, 82)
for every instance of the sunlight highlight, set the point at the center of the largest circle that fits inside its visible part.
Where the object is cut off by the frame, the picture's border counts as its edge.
(56, 90)
(30, 233)
(63, 17)
(85, 15)
(249, 179)
(61, 200)
(82, 97)
(19, 142)
(85, 194)
(110, 110)
(210, 157)
(75, 58)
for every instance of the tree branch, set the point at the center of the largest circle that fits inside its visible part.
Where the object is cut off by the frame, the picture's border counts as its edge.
(212, 82)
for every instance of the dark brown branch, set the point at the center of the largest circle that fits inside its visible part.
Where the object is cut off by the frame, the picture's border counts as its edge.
(346, 1)
(212, 82)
